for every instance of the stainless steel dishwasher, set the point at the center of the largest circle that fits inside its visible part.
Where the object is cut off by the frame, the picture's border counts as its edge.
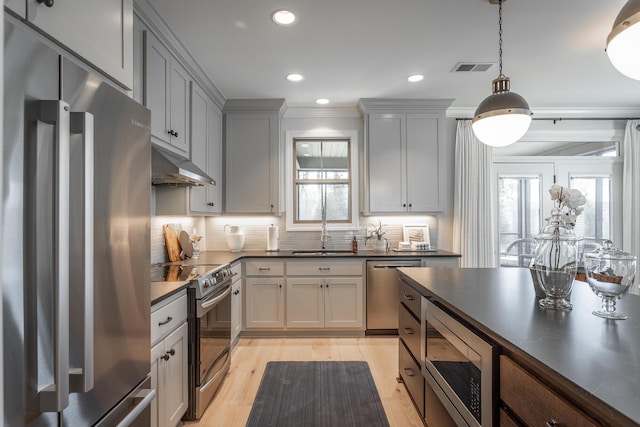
(382, 294)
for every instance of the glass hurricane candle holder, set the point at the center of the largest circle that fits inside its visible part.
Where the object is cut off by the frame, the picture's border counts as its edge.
(610, 274)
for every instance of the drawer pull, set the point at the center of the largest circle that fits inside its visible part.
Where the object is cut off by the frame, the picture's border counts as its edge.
(264, 269)
(408, 331)
(408, 297)
(552, 423)
(169, 319)
(410, 373)
(324, 268)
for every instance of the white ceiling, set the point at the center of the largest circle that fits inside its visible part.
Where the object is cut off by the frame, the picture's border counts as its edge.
(352, 49)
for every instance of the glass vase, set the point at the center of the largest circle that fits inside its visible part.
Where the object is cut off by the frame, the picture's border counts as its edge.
(555, 262)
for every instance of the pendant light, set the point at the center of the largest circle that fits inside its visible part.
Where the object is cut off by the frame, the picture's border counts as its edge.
(624, 39)
(503, 117)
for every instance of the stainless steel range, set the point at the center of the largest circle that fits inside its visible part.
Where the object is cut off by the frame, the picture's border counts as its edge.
(209, 322)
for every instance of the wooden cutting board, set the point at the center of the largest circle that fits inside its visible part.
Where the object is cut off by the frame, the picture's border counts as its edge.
(171, 241)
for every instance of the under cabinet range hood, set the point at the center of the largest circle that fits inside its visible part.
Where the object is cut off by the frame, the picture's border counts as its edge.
(170, 169)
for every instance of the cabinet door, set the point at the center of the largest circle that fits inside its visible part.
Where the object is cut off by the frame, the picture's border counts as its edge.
(343, 301)
(199, 144)
(179, 106)
(236, 310)
(157, 381)
(19, 7)
(386, 162)
(156, 86)
(251, 156)
(305, 302)
(214, 158)
(100, 31)
(175, 375)
(264, 302)
(423, 164)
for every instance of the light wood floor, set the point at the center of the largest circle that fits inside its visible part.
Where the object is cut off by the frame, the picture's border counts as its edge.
(232, 404)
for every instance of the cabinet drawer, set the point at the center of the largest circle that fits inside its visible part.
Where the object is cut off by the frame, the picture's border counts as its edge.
(236, 270)
(412, 377)
(410, 298)
(264, 268)
(409, 331)
(324, 268)
(533, 402)
(168, 315)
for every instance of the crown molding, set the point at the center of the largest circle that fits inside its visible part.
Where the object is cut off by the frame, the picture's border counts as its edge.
(301, 112)
(613, 113)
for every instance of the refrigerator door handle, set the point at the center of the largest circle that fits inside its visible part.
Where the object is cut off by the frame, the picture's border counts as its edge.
(81, 378)
(54, 397)
(143, 398)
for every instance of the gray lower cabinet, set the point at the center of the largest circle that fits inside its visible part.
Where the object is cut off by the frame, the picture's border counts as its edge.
(99, 31)
(169, 357)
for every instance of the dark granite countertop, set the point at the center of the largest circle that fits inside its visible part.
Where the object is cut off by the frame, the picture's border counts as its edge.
(162, 290)
(596, 361)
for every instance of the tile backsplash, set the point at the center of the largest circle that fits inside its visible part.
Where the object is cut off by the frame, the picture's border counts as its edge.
(255, 230)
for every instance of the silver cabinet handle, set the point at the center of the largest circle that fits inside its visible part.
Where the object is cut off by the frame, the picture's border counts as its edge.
(408, 297)
(54, 397)
(81, 378)
(409, 372)
(552, 423)
(164, 322)
(144, 398)
(408, 331)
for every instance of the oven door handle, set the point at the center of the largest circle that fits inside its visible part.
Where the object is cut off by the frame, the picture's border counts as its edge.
(206, 305)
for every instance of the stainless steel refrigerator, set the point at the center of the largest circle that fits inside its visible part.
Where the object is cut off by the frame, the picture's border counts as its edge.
(75, 237)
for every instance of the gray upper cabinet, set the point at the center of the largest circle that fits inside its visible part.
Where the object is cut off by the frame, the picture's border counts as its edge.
(206, 150)
(404, 156)
(19, 7)
(99, 31)
(166, 94)
(252, 156)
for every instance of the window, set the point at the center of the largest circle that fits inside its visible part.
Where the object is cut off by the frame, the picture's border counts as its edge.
(523, 200)
(322, 180)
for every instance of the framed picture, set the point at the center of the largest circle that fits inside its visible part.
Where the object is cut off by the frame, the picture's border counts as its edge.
(416, 233)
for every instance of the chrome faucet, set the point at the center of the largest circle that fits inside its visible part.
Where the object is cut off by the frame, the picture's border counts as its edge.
(324, 236)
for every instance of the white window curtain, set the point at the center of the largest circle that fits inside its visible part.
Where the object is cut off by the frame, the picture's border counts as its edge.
(631, 191)
(473, 219)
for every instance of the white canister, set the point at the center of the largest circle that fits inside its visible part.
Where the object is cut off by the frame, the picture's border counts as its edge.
(272, 238)
(235, 237)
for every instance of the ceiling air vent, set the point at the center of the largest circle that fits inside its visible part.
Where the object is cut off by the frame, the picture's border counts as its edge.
(472, 66)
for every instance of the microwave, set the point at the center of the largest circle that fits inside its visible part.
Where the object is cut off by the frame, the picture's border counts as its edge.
(458, 367)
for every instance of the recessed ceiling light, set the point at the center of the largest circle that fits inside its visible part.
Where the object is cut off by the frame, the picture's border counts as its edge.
(295, 77)
(322, 101)
(415, 78)
(283, 17)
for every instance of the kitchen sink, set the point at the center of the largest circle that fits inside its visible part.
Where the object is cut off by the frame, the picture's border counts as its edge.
(321, 252)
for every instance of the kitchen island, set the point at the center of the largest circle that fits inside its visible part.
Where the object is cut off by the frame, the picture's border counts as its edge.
(590, 363)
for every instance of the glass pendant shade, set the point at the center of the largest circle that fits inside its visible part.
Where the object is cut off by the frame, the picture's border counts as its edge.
(503, 117)
(624, 39)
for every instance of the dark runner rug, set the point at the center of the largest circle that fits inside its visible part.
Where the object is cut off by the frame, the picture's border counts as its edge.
(317, 394)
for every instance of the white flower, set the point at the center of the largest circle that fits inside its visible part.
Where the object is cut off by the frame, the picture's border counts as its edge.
(555, 191)
(570, 202)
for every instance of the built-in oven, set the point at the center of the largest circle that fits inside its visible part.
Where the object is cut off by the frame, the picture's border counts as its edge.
(458, 367)
(209, 318)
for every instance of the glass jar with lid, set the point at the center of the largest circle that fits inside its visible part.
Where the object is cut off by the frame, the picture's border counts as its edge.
(555, 261)
(610, 274)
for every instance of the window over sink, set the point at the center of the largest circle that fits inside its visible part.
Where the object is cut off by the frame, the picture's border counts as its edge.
(320, 177)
